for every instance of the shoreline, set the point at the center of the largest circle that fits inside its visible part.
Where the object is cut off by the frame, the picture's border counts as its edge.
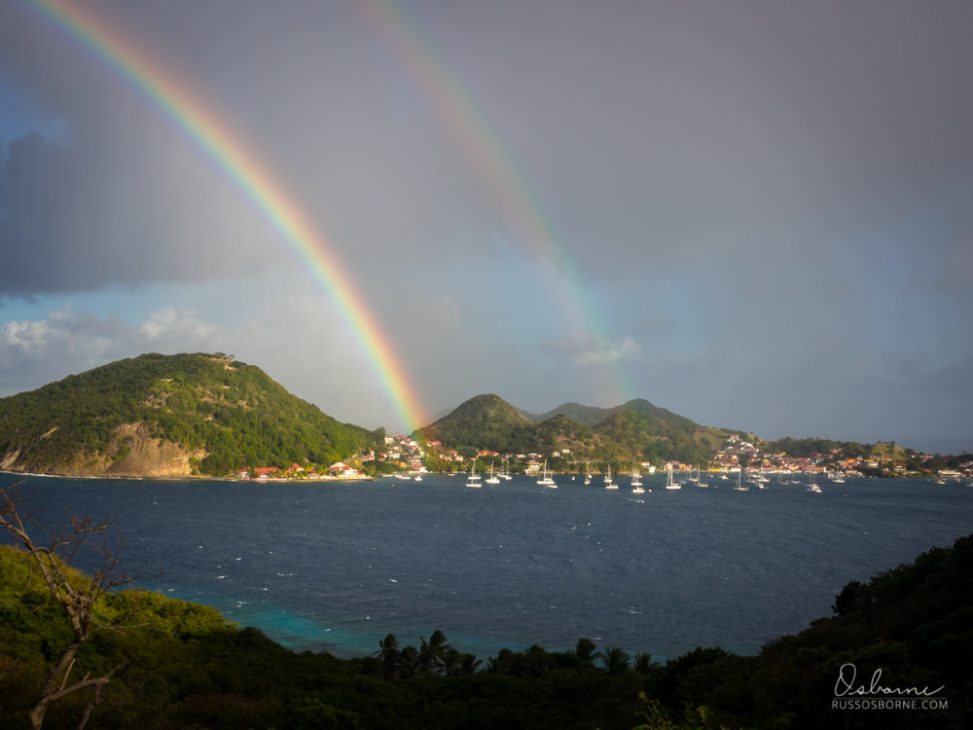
(187, 478)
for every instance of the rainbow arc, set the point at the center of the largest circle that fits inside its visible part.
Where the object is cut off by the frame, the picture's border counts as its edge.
(214, 137)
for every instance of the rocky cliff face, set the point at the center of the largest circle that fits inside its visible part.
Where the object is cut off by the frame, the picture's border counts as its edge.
(132, 451)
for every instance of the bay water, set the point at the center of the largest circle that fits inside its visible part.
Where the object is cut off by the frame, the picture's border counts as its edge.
(337, 565)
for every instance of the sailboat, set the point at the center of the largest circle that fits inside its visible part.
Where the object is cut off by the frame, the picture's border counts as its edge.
(637, 487)
(701, 483)
(812, 486)
(546, 480)
(691, 478)
(671, 484)
(609, 484)
(587, 474)
(473, 480)
(740, 487)
(492, 479)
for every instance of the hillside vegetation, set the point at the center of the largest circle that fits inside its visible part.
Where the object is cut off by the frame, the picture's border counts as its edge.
(168, 415)
(636, 430)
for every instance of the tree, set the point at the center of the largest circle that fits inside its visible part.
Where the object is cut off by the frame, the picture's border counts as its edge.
(432, 654)
(585, 650)
(389, 656)
(643, 662)
(77, 596)
(615, 659)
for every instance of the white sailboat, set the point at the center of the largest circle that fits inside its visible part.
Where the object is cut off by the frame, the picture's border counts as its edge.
(546, 479)
(587, 474)
(671, 484)
(492, 479)
(701, 484)
(608, 479)
(812, 486)
(740, 487)
(473, 480)
(637, 487)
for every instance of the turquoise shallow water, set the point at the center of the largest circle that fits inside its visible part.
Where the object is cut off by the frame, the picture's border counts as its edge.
(337, 566)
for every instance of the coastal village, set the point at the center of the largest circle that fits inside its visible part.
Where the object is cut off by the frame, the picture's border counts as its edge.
(401, 454)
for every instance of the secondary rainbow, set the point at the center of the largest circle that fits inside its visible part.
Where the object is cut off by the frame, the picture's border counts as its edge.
(466, 121)
(254, 178)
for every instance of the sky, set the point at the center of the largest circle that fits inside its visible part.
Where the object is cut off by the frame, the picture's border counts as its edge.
(756, 214)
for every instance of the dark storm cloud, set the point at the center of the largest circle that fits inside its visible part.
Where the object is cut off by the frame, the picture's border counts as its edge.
(123, 198)
(750, 193)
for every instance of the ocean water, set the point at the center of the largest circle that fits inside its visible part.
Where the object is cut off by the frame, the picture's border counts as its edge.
(336, 566)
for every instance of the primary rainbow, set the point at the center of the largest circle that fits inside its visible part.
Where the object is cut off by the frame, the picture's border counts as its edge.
(459, 112)
(217, 140)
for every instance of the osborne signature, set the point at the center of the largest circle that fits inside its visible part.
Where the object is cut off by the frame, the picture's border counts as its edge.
(846, 687)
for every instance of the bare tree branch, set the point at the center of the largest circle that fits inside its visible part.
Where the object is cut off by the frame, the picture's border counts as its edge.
(78, 599)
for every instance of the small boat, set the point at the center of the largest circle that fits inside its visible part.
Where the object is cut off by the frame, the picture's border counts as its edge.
(812, 486)
(670, 483)
(417, 478)
(492, 479)
(740, 487)
(546, 479)
(637, 487)
(473, 480)
(608, 479)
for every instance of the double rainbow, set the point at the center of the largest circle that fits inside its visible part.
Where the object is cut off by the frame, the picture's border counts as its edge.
(466, 121)
(214, 137)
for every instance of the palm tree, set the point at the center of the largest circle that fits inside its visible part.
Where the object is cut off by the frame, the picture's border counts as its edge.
(585, 650)
(432, 654)
(615, 659)
(409, 661)
(643, 662)
(389, 656)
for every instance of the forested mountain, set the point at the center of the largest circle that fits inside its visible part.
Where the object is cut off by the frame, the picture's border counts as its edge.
(634, 430)
(168, 415)
(588, 415)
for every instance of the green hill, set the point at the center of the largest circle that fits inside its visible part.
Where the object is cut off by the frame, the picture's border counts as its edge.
(167, 415)
(484, 421)
(588, 415)
(634, 430)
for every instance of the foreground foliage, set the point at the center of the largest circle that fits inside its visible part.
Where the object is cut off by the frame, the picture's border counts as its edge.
(185, 666)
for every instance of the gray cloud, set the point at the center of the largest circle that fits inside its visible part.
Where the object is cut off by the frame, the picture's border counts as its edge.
(762, 202)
